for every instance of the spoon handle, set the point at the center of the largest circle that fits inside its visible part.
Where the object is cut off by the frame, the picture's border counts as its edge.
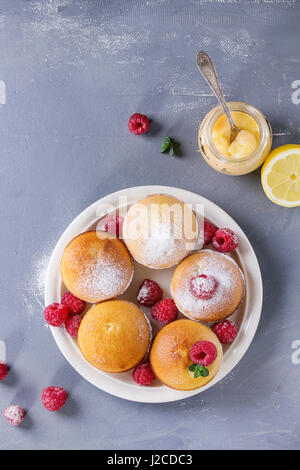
(207, 68)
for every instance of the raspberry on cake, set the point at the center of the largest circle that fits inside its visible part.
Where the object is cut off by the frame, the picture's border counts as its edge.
(14, 414)
(56, 314)
(203, 352)
(143, 374)
(225, 240)
(203, 286)
(74, 304)
(225, 330)
(149, 293)
(54, 398)
(165, 311)
(138, 124)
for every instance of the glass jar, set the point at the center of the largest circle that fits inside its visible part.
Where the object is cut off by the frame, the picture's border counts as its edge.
(234, 165)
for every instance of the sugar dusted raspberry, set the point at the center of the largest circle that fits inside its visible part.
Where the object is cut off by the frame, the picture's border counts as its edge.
(74, 304)
(72, 325)
(203, 352)
(3, 370)
(165, 311)
(56, 314)
(225, 330)
(203, 286)
(143, 374)
(114, 224)
(14, 415)
(138, 124)
(149, 293)
(225, 240)
(209, 231)
(54, 398)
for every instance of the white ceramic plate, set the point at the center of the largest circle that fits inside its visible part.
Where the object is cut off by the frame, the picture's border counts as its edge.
(247, 317)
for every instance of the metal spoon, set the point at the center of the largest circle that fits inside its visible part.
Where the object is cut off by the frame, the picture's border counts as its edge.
(207, 68)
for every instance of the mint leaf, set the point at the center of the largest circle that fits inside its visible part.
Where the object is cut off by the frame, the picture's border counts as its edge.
(204, 371)
(168, 145)
(164, 147)
(197, 372)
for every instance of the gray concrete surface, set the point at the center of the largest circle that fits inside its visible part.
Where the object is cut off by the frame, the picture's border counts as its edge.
(74, 71)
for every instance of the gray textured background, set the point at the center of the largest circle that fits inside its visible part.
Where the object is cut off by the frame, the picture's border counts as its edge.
(75, 71)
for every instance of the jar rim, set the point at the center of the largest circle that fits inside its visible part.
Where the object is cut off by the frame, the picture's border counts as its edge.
(246, 108)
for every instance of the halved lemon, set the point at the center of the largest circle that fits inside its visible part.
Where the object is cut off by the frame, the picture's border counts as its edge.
(280, 176)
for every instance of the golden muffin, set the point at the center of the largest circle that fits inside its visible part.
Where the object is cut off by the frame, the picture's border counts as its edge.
(159, 231)
(96, 266)
(114, 336)
(170, 354)
(228, 291)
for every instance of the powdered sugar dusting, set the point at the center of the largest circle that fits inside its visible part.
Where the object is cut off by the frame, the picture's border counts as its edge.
(33, 295)
(103, 278)
(227, 283)
(161, 243)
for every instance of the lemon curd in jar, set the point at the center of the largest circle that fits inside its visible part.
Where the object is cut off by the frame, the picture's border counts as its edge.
(250, 147)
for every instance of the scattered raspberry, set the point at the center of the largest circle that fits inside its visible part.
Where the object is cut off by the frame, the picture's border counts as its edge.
(72, 325)
(225, 240)
(56, 314)
(209, 231)
(203, 352)
(225, 330)
(203, 286)
(3, 370)
(54, 398)
(138, 124)
(143, 374)
(14, 415)
(74, 304)
(165, 311)
(149, 293)
(114, 224)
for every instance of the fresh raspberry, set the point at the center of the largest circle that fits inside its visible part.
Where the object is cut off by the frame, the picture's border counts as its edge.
(149, 293)
(203, 286)
(225, 240)
(165, 311)
(138, 124)
(72, 325)
(3, 370)
(14, 415)
(209, 230)
(54, 398)
(56, 314)
(225, 330)
(114, 224)
(143, 374)
(74, 304)
(203, 352)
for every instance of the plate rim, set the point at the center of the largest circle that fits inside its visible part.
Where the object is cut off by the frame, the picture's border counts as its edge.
(66, 344)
